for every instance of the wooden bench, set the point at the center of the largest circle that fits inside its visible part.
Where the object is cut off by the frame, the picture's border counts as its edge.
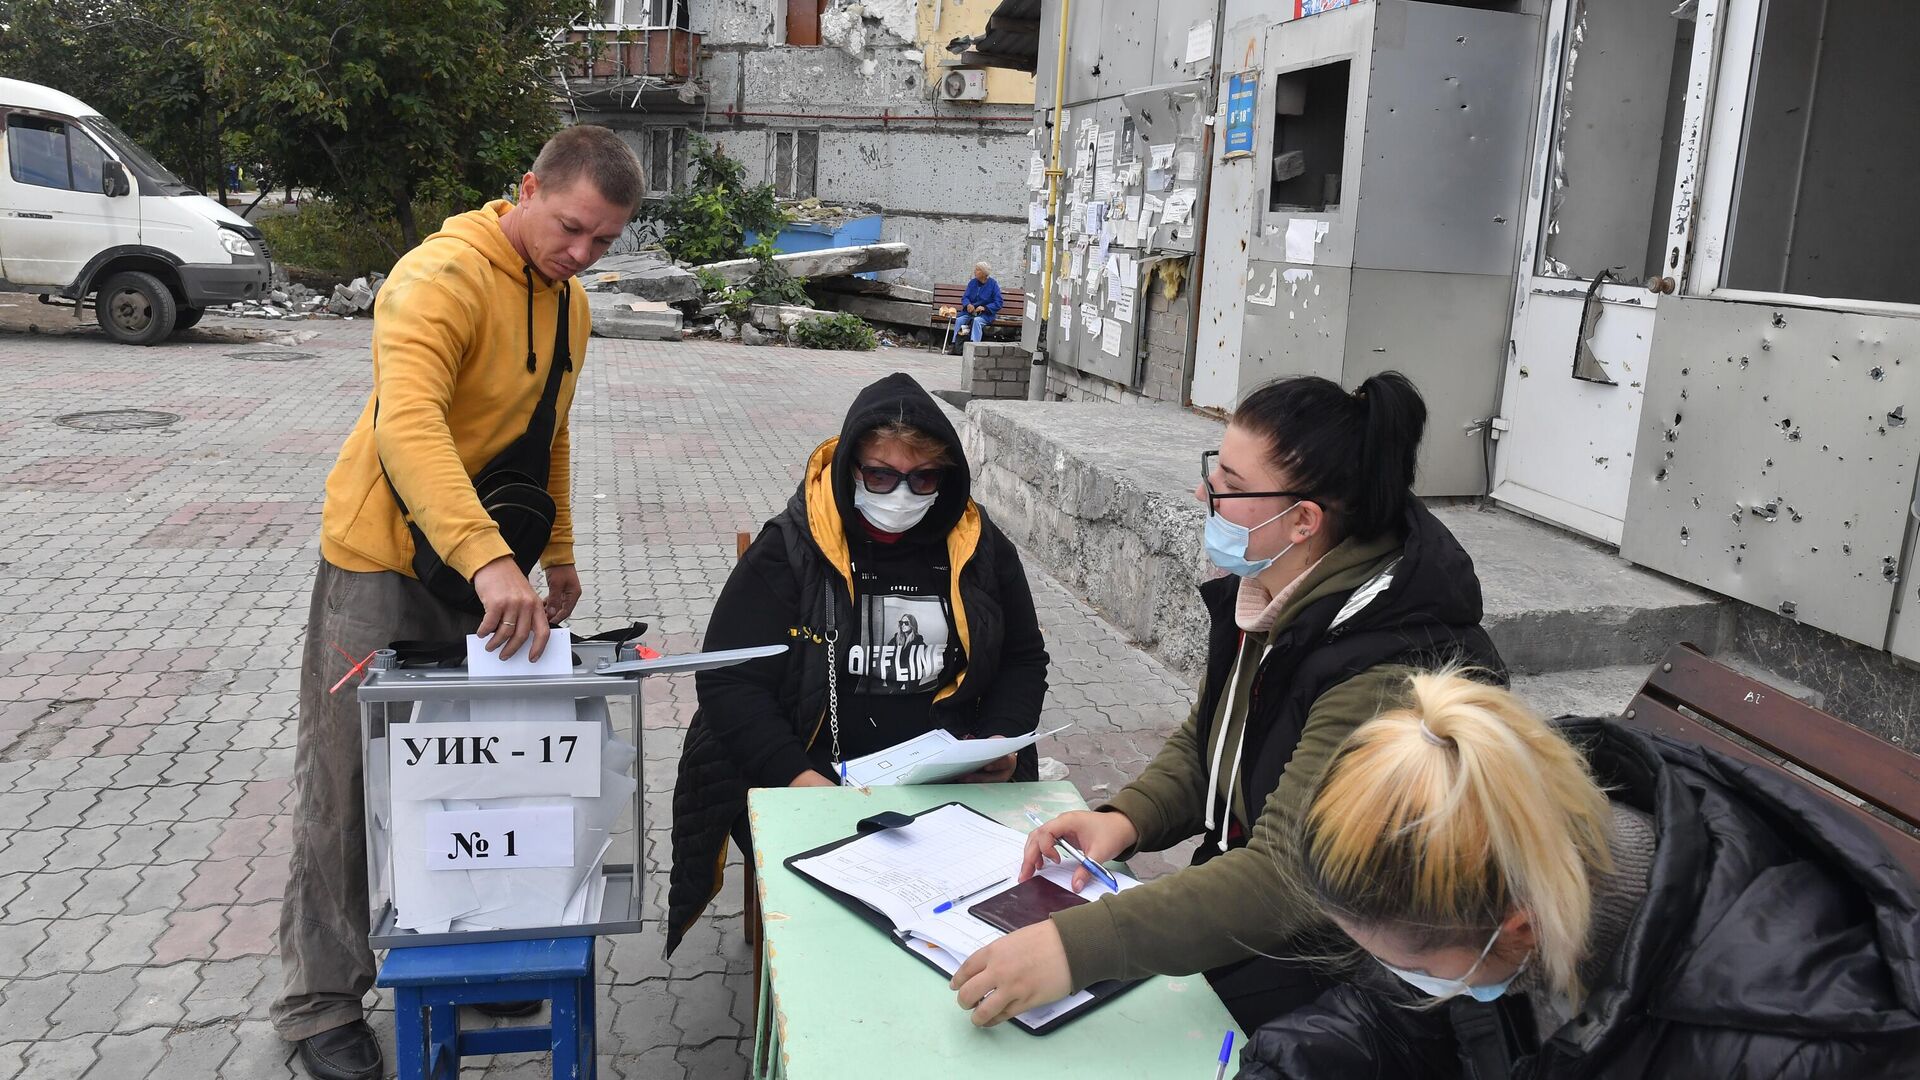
(1690, 697)
(1011, 311)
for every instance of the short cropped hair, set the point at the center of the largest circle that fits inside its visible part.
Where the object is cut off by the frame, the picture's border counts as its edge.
(983, 266)
(598, 155)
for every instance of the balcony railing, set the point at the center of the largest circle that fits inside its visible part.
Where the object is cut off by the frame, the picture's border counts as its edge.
(663, 54)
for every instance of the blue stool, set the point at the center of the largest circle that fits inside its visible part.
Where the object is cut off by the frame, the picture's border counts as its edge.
(431, 982)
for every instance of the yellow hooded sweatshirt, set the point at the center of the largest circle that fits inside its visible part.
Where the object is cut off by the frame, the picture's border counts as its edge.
(451, 335)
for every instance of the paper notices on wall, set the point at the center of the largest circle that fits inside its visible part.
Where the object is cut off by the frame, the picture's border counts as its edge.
(1302, 235)
(1110, 338)
(1178, 205)
(1090, 319)
(1122, 298)
(1036, 171)
(1199, 42)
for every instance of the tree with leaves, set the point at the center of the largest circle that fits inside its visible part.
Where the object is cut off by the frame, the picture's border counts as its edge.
(382, 104)
(134, 61)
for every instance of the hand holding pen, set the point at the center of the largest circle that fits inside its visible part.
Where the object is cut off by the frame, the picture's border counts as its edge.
(1098, 841)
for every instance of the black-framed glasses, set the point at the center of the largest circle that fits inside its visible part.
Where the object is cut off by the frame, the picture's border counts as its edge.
(1206, 481)
(881, 480)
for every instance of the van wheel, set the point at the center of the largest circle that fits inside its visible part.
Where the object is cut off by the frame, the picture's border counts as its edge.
(135, 308)
(188, 318)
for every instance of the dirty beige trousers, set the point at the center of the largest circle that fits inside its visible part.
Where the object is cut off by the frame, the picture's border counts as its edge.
(325, 966)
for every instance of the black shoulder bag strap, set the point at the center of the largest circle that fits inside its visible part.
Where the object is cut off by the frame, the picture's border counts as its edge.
(512, 488)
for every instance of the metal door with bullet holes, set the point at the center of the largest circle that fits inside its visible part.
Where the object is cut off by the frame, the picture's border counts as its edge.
(1609, 221)
(1776, 463)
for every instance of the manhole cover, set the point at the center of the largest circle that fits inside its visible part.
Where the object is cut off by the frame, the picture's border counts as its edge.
(117, 420)
(274, 357)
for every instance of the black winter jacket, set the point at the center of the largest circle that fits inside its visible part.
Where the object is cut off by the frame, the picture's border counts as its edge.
(756, 722)
(1777, 941)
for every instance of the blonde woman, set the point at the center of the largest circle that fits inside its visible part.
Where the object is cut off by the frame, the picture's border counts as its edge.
(1590, 902)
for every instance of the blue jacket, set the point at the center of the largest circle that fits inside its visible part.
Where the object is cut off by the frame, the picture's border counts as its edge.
(983, 293)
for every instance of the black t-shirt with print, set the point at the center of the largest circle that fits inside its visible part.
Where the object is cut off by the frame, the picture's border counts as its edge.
(902, 650)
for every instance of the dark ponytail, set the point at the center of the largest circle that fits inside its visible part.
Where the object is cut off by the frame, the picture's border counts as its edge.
(1354, 454)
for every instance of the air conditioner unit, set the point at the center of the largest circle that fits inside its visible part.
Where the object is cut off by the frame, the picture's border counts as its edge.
(963, 86)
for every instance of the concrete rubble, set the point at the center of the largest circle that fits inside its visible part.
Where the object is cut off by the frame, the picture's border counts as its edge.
(621, 315)
(824, 263)
(649, 275)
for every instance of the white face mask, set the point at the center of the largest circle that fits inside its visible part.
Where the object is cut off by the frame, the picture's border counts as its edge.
(896, 511)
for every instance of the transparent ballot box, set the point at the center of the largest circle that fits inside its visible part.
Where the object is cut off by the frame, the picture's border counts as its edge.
(506, 807)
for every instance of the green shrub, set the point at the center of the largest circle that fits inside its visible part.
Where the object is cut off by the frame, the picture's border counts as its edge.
(841, 331)
(770, 283)
(708, 222)
(323, 239)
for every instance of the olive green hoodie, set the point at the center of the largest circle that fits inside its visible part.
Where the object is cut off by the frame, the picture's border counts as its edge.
(1244, 900)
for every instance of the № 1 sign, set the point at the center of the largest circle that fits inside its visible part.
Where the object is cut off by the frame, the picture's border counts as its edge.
(1242, 92)
(500, 839)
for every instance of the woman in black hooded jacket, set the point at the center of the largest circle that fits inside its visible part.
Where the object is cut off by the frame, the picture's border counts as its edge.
(1589, 901)
(882, 532)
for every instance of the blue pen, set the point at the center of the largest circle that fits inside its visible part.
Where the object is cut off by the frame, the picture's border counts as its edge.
(1226, 1052)
(1093, 868)
(948, 905)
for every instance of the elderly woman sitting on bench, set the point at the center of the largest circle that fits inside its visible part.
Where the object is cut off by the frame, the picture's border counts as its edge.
(978, 307)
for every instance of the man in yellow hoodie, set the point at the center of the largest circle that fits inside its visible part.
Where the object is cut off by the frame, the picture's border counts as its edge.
(465, 346)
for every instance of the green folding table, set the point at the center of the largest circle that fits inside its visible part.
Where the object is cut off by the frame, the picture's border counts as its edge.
(838, 998)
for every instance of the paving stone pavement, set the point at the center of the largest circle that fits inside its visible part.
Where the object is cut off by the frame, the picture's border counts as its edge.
(153, 595)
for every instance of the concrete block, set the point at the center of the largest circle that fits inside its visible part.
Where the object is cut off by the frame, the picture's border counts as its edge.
(827, 262)
(782, 318)
(649, 275)
(1115, 520)
(619, 315)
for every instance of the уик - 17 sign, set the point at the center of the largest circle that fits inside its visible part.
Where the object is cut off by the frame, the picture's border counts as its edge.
(494, 759)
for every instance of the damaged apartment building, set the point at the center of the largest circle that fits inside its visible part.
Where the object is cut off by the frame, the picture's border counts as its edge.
(1651, 261)
(858, 105)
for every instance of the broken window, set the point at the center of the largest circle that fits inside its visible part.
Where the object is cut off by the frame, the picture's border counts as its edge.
(1822, 205)
(1309, 138)
(666, 160)
(1616, 145)
(794, 170)
(655, 13)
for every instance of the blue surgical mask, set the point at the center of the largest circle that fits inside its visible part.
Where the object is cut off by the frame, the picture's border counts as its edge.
(1227, 544)
(1443, 989)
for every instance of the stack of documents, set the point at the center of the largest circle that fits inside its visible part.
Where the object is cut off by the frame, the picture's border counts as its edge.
(934, 757)
(946, 853)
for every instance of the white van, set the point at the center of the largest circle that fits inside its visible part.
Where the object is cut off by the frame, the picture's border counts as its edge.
(84, 211)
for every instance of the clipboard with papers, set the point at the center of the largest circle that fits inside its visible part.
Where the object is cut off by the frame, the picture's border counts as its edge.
(897, 870)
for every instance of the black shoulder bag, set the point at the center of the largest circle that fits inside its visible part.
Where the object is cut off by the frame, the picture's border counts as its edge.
(512, 488)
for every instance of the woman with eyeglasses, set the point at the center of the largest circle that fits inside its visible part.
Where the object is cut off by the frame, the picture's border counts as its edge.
(905, 611)
(1581, 900)
(1339, 583)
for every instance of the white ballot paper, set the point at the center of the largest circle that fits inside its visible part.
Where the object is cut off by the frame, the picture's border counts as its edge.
(556, 659)
(935, 756)
(433, 894)
(946, 853)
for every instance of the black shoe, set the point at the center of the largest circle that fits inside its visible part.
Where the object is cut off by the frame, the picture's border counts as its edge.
(507, 1010)
(343, 1053)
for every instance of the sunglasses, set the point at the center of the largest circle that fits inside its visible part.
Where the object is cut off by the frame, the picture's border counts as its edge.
(882, 481)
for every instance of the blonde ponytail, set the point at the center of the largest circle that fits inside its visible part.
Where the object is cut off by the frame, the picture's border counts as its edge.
(1441, 818)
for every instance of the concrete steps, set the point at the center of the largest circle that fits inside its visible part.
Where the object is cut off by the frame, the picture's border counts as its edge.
(1102, 496)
